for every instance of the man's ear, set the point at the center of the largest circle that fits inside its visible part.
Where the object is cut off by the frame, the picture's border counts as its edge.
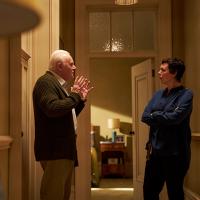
(59, 66)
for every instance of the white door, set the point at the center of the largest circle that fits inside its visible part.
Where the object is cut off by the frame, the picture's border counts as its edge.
(141, 75)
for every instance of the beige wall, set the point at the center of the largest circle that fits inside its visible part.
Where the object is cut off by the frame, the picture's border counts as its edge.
(4, 87)
(112, 95)
(192, 180)
(186, 45)
(38, 44)
(192, 58)
(192, 80)
(111, 98)
(4, 109)
(67, 26)
(178, 29)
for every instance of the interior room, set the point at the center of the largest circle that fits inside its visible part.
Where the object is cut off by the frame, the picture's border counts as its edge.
(116, 47)
(111, 124)
(111, 101)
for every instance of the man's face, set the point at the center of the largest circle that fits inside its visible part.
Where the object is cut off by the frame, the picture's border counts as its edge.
(68, 69)
(164, 74)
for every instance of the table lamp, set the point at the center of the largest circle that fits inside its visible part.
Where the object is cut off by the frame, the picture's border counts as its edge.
(113, 124)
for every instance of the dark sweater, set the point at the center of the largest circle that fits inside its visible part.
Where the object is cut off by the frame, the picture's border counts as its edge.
(168, 116)
(55, 136)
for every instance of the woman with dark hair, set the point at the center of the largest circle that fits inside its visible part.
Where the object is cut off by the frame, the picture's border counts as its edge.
(168, 116)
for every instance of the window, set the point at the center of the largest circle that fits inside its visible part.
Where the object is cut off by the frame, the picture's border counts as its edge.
(122, 31)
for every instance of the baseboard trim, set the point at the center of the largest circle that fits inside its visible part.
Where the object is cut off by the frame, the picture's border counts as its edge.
(189, 195)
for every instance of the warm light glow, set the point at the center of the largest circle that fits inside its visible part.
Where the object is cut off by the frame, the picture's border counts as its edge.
(114, 189)
(113, 123)
(125, 2)
(116, 45)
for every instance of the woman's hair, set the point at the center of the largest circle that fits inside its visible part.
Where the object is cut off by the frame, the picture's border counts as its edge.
(175, 65)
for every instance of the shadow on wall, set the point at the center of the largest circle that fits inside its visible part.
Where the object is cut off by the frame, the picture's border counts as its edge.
(112, 80)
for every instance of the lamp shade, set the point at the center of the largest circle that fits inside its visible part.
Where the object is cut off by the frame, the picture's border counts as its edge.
(113, 123)
(125, 2)
(17, 16)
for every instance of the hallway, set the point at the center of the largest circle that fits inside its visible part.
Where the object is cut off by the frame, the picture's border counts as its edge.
(115, 189)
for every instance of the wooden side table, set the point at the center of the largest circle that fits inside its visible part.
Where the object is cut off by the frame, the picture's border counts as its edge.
(112, 159)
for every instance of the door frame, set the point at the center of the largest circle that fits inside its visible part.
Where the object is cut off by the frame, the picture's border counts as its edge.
(164, 49)
(141, 76)
(15, 89)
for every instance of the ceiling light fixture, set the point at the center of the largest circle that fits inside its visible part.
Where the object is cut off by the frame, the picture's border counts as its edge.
(125, 2)
(17, 16)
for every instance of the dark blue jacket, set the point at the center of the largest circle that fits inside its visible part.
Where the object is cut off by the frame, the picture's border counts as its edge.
(168, 115)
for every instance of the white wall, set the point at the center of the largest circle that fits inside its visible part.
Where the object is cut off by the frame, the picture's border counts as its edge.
(186, 45)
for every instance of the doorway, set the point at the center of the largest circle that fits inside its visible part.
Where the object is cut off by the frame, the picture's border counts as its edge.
(111, 98)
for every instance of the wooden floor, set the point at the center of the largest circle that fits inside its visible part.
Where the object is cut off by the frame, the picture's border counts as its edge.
(111, 189)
